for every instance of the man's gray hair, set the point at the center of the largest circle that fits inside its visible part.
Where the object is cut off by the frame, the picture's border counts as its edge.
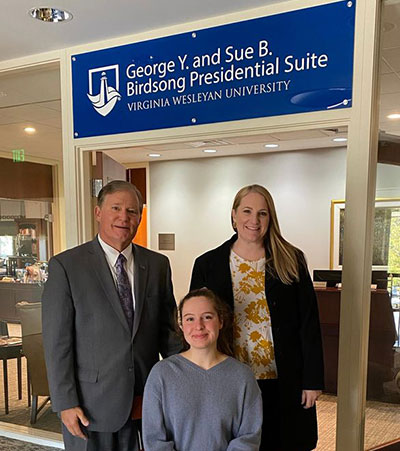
(119, 185)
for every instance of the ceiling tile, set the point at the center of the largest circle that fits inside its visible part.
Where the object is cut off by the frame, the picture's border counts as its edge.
(390, 83)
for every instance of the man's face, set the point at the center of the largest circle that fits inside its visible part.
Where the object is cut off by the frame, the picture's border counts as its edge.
(119, 218)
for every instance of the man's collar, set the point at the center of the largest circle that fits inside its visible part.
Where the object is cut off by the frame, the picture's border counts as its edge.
(113, 253)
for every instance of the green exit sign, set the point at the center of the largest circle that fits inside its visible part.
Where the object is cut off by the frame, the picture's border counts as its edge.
(18, 155)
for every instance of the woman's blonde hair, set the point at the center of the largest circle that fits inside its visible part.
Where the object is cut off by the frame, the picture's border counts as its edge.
(283, 258)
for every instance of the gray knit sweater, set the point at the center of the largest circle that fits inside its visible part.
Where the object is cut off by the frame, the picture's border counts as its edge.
(187, 408)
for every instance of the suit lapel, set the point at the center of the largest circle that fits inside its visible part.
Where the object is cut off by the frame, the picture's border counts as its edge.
(140, 274)
(106, 281)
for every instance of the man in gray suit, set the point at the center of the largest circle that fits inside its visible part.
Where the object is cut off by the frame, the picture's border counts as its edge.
(108, 312)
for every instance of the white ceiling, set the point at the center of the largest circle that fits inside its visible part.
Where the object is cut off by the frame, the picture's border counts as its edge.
(33, 97)
(96, 20)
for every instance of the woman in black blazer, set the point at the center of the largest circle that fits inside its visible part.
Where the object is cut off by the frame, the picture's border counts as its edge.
(265, 280)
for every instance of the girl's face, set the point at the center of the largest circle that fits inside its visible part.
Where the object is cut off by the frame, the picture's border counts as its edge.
(200, 323)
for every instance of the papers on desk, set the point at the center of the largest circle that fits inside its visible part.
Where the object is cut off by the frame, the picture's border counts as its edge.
(319, 284)
(7, 341)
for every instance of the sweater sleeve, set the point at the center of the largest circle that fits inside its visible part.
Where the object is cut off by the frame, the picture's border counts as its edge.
(248, 437)
(153, 424)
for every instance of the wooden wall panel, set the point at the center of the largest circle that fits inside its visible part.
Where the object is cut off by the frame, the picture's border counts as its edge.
(25, 180)
(137, 176)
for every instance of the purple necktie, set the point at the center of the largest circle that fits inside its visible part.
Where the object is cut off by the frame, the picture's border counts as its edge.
(124, 289)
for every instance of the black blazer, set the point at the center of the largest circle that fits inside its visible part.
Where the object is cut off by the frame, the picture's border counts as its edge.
(295, 330)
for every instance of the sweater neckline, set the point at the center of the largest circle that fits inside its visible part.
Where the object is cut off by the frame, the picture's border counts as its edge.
(199, 368)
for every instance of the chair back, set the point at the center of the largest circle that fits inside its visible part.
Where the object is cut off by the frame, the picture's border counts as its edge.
(3, 328)
(32, 345)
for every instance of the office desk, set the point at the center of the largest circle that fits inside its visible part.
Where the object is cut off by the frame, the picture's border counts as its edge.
(382, 337)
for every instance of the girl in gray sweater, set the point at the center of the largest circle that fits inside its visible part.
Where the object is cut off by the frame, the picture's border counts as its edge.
(202, 399)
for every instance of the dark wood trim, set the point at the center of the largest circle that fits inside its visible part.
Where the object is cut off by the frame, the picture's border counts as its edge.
(25, 180)
(137, 176)
(394, 445)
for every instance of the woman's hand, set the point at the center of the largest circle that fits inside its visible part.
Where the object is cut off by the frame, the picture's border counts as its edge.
(308, 398)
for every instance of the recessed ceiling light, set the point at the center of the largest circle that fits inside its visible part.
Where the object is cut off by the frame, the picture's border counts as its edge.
(47, 14)
(154, 155)
(271, 146)
(209, 150)
(339, 140)
(394, 116)
(30, 130)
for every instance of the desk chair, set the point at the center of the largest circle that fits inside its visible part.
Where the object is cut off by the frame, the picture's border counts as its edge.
(3, 328)
(32, 346)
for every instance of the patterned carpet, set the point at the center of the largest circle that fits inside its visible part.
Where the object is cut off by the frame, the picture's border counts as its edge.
(9, 444)
(382, 423)
(19, 410)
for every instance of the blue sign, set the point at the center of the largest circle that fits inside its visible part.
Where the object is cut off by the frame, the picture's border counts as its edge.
(288, 63)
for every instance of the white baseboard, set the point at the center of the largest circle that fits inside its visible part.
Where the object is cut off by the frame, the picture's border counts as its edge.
(31, 435)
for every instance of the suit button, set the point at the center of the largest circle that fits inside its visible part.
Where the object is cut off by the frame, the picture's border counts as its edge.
(130, 369)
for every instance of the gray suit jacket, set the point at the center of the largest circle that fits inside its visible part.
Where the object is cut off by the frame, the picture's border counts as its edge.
(92, 359)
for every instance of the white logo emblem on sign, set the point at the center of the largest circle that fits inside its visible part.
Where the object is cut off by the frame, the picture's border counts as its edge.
(105, 100)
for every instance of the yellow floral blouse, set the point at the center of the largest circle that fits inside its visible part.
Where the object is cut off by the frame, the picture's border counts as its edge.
(253, 342)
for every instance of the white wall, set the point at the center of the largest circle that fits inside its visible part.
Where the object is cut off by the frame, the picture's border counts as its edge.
(112, 170)
(387, 181)
(192, 198)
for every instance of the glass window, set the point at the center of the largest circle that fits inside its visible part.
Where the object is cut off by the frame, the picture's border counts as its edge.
(30, 214)
(6, 245)
(383, 382)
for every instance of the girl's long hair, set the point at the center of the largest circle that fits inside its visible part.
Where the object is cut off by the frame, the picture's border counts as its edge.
(224, 315)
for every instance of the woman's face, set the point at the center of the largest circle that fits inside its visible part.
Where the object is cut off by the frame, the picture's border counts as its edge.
(200, 323)
(251, 218)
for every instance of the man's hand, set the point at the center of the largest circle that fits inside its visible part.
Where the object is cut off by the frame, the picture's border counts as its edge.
(308, 398)
(71, 419)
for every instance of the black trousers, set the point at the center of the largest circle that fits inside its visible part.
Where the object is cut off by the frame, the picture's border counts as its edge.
(272, 430)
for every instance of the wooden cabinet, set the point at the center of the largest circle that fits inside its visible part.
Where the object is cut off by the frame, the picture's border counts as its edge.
(382, 337)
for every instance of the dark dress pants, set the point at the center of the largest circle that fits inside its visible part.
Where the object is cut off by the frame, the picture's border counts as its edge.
(123, 440)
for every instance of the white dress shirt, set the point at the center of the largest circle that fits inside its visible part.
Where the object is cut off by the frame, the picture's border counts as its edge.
(112, 256)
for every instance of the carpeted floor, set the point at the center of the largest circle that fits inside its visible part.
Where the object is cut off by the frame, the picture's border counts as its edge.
(19, 410)
(9, 444)
(381, 425)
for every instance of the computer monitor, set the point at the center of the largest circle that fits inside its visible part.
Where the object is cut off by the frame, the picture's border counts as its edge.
(334, 276)
(380, 279)
(330, 276)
